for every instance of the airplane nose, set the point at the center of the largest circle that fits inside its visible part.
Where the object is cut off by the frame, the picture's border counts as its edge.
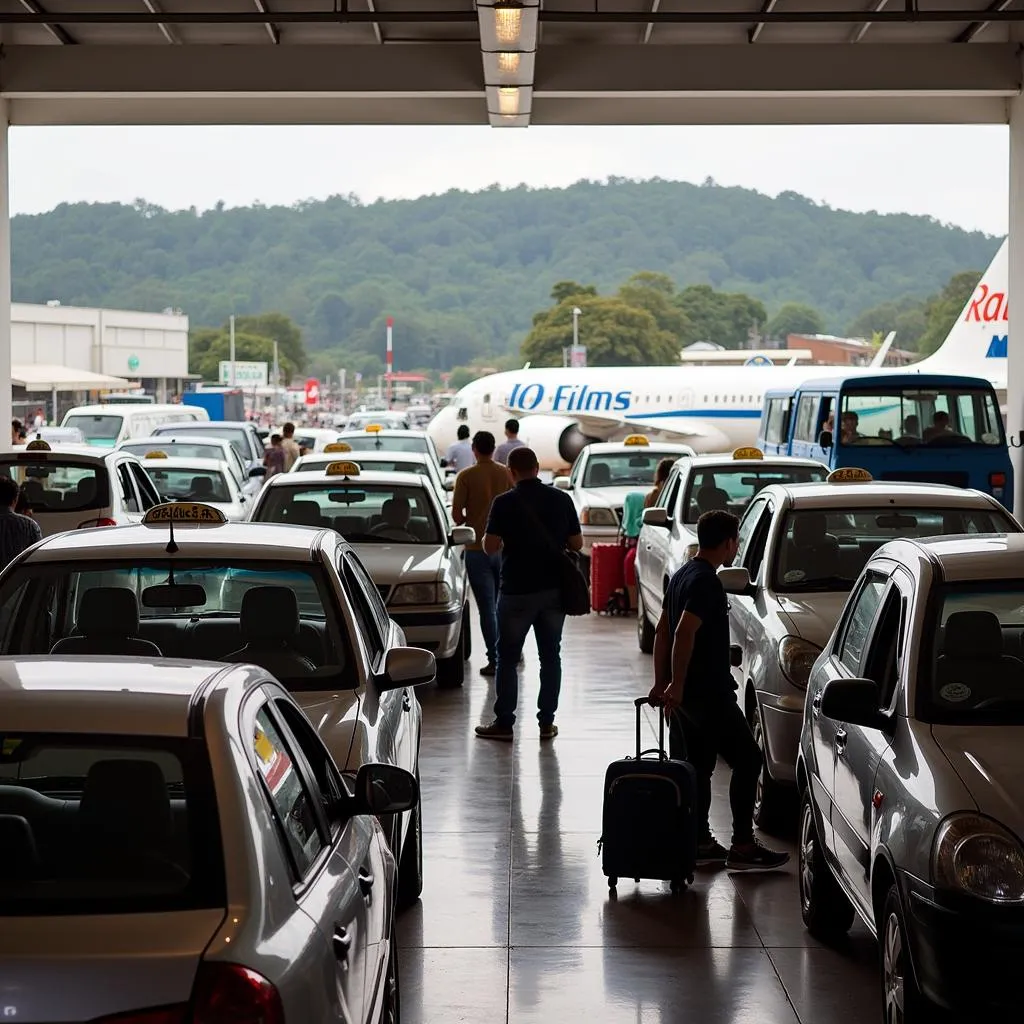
(442, 428)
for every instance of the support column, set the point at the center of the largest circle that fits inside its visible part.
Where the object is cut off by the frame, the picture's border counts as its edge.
(5, 280)
(1015, 287)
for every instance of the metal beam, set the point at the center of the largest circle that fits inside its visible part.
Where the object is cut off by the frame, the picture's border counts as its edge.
(975, 27)
(649, 27)
(58, 32)
(169, 34)
(766, 8)
(861, 31)
(371, 6)
(272, 29)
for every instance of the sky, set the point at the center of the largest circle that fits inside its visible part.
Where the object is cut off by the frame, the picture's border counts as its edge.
(956, 174)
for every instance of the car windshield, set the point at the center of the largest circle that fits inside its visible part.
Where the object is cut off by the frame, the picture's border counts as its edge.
(730, 487)
(623, 469)
(387, 422)
(56, 485)
(364, 513)
(977, 655)
(238, 438)
(825, 550)
(118, 824)
(185, 484)
(191, 610)
(936, 417)
(101, 429)
(387, 443)
(176, 449)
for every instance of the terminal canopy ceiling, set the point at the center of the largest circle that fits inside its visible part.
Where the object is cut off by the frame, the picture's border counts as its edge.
(509, 63)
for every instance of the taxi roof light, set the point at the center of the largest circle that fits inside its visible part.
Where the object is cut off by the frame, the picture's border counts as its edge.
(849, 475)
(337, 446)
(342, 469)
(373, 428)
(748, 453)
(640, 440)
(194, 512)
(38, 445)
(156, 455)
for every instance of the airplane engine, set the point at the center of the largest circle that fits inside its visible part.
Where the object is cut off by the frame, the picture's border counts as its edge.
(557, 440)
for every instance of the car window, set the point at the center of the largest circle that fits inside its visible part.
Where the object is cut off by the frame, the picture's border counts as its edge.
(367, 604)
(236, 435)
(294, 801)
(53, 484)
(731, 486)
(758, 542)
(881, 662)
(147, 492)
(106, 825)
(858, 621)
(747, 526)
(100, 429)
(188, 484)
(128, 497)
(634, 468)
(667, 498)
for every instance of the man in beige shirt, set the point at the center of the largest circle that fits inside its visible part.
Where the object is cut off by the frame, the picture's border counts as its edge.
(290, 446)
(475, 489)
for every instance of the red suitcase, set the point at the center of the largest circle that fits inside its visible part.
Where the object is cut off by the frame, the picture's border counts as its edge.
(606, 573)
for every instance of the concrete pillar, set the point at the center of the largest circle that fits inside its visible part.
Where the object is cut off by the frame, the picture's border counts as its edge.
(5, 280)
(1015, 287)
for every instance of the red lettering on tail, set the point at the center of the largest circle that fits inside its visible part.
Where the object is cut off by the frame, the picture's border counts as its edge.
(987, 307)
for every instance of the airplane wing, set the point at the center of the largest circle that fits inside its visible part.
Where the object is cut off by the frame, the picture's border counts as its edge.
(883, 350)
(698, 433)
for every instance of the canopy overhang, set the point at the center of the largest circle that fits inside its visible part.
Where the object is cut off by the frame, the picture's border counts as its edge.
(44, 377)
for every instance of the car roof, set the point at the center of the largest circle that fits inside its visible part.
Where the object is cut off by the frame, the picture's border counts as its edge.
(877, 492)
(725, 461)
(385, 455)
(257, 542)
(134, 696)
(666, 447)
(186, 462)
(199, 424)
(301, 478)
(170, 439)
(342, 434)
(77, 453)
(975, 557)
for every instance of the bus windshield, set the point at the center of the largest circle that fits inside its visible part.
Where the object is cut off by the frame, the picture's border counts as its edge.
(97, 429)
(910, 416)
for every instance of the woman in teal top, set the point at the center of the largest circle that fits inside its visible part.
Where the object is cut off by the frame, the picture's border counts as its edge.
(632, 520)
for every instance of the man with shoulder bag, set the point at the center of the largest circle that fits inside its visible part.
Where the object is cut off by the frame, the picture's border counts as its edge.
(534, 527)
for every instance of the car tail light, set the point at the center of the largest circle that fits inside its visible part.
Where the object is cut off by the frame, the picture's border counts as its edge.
(231, 994)
(102, 521)
(997, 481)
(161, 1015)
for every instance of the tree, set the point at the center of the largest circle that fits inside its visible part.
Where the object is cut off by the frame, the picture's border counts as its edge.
(943, 309)
(655, 293)
(562, 291)
(906, 316)
(614, 333)
(722, 318)
(208, 348)
(280, 328)
(796, 318)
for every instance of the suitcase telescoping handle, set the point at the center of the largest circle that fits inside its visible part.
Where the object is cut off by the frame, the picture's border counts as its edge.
(660, 749)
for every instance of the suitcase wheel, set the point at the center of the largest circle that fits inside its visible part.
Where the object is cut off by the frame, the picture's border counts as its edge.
(612, 881)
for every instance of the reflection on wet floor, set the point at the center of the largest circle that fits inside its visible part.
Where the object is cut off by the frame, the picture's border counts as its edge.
(516, 923)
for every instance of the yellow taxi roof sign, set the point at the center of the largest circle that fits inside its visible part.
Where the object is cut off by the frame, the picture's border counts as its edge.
(637, 439)
(184, 512)
(156, 455)
(343, 469)
(748, 453)
(38, 445)
(373, 428)
(337, 446)
(849, 475)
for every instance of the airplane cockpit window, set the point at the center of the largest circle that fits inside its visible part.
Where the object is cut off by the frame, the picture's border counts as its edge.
(463, 413)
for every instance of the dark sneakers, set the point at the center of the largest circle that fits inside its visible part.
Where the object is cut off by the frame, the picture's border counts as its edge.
(710, 852)
(495, 731)
(489, 669)
(548, 731)
(755, 857)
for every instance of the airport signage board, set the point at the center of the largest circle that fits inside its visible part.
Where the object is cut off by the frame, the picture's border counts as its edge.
(247, 375)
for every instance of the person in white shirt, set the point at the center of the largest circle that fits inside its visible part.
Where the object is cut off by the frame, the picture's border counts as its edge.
(510, 443)
(460, 454)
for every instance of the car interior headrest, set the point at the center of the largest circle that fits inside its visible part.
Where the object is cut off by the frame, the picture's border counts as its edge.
(112, 610)
(127, 797)
(269, 615)
(973, 634)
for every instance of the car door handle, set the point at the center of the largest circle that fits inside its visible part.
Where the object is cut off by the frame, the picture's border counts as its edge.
(365, 883)
(816, 704)
(406, 703)
(341, 942)
(841, 738)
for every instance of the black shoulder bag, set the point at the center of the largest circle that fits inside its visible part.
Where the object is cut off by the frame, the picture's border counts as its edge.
(572, 581)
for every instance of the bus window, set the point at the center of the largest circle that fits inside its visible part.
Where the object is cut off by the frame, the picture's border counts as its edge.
(806, 419)
(777, 420)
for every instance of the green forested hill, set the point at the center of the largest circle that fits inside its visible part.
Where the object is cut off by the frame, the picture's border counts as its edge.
(463, 273)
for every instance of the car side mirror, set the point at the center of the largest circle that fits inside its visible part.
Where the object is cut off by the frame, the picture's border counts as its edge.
(258, 471)
(854, 701)
(563, 483)
(406, 666)
(444, 463)
(384, 789)
(463, 535)
(735, 655)
(825, 439)
(655, 517)
(736, 581)
(449, 483)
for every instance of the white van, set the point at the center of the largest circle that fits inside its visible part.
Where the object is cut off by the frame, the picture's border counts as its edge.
(106, 426)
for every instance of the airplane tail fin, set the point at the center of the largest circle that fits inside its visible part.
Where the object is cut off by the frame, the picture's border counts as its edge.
(883, 350)
(977, 343)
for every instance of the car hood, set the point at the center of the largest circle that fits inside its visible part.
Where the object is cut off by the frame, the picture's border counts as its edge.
(335, 716)
(989, 760)
(607, 497)
(401, 563)
(812, 616)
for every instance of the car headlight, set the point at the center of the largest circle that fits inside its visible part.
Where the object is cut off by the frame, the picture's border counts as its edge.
(598, 516)
(422, 593)
(796, 656)
(978, 856)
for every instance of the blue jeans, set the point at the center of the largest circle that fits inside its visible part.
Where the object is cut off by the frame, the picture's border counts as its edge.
(517, 613)
(484, 573)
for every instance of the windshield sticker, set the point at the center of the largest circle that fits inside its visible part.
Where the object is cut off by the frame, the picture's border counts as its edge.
(954, 693)
(794, 576)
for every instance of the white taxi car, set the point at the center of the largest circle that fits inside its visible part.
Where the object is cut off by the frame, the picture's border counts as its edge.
(209, 481)
(75, 487)
(187, 584)
(377, 439)
(196, 446)
(403, 536)
(911, 757)
(604, 473)
(194, 805)
(802, 548)
(668, 537)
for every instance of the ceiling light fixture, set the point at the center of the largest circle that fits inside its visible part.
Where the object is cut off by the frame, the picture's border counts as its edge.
(508, 22)
(508, 45)
(508, 63)
(508, 101)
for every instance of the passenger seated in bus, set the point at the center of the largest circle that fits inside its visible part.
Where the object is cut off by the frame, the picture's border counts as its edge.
(940, 426)
(850, 421)
(911, 431)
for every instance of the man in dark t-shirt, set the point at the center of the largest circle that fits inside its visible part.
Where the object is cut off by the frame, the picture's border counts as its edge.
(529, 525)
(693, 682)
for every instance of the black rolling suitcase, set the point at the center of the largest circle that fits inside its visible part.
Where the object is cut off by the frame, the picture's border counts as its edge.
(650, 815)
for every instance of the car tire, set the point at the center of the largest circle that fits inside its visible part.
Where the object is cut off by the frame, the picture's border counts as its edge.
(770, 800)
(644, 629)
(410, 867)
(824, 907)
(467, 635)
(391, 1010)
(902, 1000)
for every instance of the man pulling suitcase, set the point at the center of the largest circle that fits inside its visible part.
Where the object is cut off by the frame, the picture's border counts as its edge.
(693, 681)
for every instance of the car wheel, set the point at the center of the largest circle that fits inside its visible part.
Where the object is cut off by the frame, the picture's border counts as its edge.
(644, 629)
(902, 1001)
(451, 672)
(826, 911)
(410, 867)
(770, 796)
(391, 1011)
(467, 635)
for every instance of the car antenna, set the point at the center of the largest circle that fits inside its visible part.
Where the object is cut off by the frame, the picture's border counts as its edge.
(172, 546)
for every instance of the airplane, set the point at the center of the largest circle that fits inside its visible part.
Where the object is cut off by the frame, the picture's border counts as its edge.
(710, 408)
